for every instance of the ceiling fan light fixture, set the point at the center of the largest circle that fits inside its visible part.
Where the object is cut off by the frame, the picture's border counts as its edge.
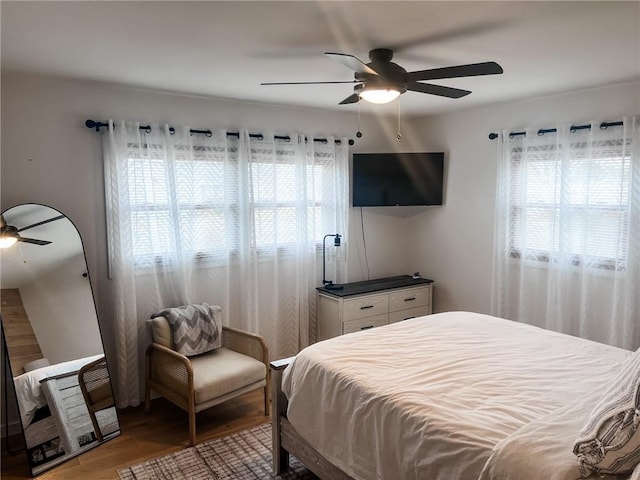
(379, 95)
(7, 241)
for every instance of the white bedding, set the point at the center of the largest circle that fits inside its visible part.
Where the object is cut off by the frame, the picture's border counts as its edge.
(436, 397)
(27, 386)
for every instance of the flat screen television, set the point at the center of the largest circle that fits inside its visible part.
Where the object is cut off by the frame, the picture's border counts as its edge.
(397, 179)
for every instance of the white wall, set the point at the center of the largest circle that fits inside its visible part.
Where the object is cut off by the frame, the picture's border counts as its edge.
(50, 157)
(59, 306)
(453, 244)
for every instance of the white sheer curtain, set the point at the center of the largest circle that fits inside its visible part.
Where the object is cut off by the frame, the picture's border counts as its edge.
(231, 220)
(567, 231)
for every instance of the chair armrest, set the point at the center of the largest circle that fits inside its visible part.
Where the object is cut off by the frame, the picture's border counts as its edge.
(169, 369)
(247, 343)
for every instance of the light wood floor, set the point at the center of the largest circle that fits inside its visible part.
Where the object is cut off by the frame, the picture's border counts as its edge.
(146, 435)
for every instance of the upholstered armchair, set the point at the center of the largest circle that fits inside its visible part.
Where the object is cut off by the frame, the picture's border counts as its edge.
(199, 382)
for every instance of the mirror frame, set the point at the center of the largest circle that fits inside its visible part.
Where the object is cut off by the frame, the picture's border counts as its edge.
(92, 441)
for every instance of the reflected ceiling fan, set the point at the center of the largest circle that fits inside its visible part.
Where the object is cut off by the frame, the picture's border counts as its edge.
(381, 80)
(9, 234)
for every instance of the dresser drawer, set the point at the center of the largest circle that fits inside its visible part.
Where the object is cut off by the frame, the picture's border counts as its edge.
(67, 381)
(409, 313)
(365, 307)
(364, 323)
(415, 297)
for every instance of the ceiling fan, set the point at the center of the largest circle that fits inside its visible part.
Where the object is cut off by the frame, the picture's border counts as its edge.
(9, 234)
(381, 80)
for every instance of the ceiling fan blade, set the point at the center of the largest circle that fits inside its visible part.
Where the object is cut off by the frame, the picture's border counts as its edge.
(473, 30)
(471, 70)
(52, 219)
(437, 90)
(34, 241)
(352, 62)
(306, 83)
(353, 98)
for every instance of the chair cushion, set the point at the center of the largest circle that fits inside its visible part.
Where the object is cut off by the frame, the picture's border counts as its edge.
(161, 331)
(223, 371)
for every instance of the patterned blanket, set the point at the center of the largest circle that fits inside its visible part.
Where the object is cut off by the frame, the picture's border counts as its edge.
(195, 328)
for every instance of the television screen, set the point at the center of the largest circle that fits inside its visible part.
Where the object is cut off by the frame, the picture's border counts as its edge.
(397, 179)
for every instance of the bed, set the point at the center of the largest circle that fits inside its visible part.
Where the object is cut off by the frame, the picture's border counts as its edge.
(456, 395)
(28, 386)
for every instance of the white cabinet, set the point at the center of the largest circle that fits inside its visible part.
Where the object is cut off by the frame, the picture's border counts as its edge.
(364, 305)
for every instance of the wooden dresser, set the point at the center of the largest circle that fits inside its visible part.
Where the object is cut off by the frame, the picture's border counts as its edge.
(371, 303)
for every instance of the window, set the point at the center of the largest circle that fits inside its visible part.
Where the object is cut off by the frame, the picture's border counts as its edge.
(570, 203)
(208, 201)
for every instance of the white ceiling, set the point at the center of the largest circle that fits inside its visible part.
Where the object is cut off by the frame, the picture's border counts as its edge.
(226, 49)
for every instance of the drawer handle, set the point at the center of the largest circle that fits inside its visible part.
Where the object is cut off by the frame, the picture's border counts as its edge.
(366, 306)
(367, 327)
(409, 299)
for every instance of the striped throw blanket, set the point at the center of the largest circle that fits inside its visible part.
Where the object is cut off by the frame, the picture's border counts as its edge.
(195, 328)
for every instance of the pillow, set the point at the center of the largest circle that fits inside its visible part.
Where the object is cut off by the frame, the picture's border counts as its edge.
(35, 364)
(610, 440)
(195, 329)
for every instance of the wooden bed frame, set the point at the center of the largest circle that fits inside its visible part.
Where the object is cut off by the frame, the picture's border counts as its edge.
(286, 441)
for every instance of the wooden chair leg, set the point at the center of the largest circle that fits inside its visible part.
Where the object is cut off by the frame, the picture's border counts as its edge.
(266, 401)
(96, 426)
(147, 376)
(192, 426)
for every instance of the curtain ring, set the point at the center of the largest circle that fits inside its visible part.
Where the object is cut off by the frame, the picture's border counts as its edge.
(172, 131)
(511, 136)
(540, 132)
(573, 129)
(209, 133)
(603, 126)
(147, 129)
(260, 137)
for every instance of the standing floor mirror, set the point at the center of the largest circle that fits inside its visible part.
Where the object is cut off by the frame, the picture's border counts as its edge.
(52, 338)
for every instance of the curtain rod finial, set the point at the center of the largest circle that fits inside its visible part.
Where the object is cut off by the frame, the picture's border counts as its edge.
(493, 136)
(93, 124)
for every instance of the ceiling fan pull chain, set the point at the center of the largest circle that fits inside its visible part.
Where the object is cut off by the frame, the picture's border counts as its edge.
(399, 135)
(359, 133)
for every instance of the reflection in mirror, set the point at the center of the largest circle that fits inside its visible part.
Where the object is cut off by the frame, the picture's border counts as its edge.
(52, 337)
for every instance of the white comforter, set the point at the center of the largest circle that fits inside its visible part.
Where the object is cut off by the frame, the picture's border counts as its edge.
(27, 386)
(441, 397)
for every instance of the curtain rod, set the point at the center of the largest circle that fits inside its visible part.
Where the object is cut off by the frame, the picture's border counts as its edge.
(542, 131)
(147, 128)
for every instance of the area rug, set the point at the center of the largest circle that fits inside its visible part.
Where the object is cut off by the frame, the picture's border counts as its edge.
(244, 455)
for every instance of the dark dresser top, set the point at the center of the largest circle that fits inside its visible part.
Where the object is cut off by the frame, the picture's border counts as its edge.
(368, 286)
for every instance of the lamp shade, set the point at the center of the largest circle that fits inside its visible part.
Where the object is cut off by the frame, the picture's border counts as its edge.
(379, 95)
(7, 240)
